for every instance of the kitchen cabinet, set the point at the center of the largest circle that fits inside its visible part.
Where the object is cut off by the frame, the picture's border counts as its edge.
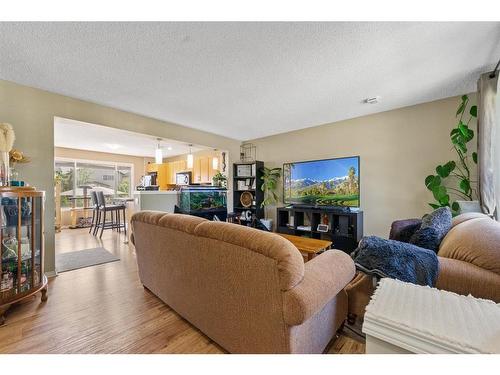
(164, 177)
(196, 170)
(205, 169)
(151, 167)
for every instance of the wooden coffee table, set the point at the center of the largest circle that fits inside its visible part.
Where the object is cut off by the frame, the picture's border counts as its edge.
(310, 246)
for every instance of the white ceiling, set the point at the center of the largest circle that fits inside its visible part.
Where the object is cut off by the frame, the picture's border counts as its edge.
(84, 136)
(248, 80)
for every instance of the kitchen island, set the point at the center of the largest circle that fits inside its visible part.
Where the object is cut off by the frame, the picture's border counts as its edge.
(155, 200)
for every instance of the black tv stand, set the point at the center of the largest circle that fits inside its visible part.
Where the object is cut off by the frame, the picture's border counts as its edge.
(345, 226)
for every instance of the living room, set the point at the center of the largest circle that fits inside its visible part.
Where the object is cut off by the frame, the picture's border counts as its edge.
(250, 187)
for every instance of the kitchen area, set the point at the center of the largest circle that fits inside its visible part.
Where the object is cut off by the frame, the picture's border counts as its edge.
(139, 171)
(194, 183)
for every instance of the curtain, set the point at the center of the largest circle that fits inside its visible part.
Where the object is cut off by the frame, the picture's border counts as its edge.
(489, 144)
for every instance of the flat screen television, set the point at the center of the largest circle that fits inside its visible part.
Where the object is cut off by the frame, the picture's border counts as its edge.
(329, 182)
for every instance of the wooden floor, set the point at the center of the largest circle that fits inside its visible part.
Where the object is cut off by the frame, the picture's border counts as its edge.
(105, 309)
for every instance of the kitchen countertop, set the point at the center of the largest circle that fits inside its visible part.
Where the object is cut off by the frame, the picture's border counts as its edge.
(143, 192)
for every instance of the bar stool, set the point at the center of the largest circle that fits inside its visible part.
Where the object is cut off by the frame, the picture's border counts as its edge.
(114, 210)
(95, 212)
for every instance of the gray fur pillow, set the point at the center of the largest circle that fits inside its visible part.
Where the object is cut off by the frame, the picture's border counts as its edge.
(434, 227)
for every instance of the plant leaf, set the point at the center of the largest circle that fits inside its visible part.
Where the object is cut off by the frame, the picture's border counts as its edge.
(432, 181)
(464, 185)
(473, 111)
(445, 200)
(434, 205)
(455, 206)
(461, 108)
(439, 192)
(474, 157)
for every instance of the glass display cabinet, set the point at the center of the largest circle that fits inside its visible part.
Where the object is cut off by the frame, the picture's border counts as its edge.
(21, 245)
(203, 201)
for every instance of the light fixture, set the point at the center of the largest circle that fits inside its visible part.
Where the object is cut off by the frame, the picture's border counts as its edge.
(158, 153)
(190, 158)
(113, 146)
(215, 162)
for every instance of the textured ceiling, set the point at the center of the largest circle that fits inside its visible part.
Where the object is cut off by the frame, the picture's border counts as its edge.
(248, 80)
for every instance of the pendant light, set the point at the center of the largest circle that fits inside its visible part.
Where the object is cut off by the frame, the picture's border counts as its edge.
(190, 158)
(215, 162)
(158, 153)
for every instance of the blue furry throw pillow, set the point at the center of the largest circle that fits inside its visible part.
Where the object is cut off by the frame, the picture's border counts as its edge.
(433, 229)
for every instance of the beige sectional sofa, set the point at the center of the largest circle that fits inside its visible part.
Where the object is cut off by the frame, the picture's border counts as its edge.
(246, 289)
(469, 263)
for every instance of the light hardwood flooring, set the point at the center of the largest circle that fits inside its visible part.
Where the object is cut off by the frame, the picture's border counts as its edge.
(105, 309)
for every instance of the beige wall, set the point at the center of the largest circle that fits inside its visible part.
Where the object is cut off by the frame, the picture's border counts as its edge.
(398, 149)
(31, 111)
(138, 162)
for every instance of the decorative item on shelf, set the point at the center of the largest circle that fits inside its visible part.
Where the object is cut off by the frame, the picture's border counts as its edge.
(244, 170)
(219, 180)
(246, 199)
(248, 152)
(16, 157)
(246, 215)
(7, 137)
(458, 171)
(7, 282)
(324, 228)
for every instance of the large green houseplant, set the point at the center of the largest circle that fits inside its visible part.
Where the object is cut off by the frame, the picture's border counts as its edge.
(270, 178)
(453, 178)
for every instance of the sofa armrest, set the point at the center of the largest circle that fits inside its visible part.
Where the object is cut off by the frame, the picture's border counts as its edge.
(465, 278)
(324, 277)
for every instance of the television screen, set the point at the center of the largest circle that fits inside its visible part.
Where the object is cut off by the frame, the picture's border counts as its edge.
(330, 182)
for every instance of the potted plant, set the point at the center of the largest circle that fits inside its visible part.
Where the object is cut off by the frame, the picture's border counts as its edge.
(270, 178)
(454, 177)
(219, 180)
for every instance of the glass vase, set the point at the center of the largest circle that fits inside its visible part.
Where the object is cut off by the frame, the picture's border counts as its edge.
(4, 168)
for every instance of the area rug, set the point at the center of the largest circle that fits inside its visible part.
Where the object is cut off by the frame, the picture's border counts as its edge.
(83, 258)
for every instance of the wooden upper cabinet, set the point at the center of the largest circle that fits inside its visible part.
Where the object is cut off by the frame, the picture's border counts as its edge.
(164, 177)
(151, 167)
(204, 169)
(181, 165)
(171, 173)
(196, 170)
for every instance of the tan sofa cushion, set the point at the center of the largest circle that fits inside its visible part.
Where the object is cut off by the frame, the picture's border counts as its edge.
(475, 239)
(289, 261)
(465, 278)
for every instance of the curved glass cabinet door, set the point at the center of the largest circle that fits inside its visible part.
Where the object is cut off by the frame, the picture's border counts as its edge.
(21, 245)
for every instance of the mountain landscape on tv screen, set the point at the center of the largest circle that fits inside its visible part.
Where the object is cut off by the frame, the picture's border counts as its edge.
(335, 191)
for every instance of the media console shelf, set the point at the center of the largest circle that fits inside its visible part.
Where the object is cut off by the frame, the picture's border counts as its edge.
(345, 229)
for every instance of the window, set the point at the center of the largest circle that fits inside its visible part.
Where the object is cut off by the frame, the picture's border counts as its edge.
(78, 177)
(65, 173)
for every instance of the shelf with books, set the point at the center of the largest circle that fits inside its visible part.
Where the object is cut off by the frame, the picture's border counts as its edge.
(247, 179)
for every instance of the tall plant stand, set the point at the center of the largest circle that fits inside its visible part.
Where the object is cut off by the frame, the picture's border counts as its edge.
(21, 246)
